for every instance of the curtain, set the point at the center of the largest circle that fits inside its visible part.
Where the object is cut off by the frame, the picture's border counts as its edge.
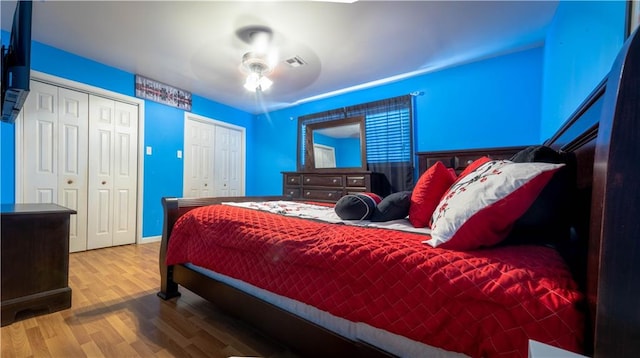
(389, 136)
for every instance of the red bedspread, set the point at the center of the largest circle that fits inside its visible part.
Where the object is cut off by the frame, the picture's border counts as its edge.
(485, 303)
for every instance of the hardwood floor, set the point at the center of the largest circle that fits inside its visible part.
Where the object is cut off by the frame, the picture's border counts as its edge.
(115, 313)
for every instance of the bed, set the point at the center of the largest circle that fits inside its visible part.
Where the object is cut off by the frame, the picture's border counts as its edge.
(594, 274)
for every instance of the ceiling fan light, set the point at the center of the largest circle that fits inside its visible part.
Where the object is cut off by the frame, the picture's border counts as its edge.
(252, 82)
(260, 61)
(264, 83)
(255, 81)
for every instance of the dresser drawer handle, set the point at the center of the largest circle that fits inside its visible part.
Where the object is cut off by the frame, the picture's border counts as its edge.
(292, 180)
(330, 195)
(308, 180)
(335, 181)
(308, 193)
(469, 161)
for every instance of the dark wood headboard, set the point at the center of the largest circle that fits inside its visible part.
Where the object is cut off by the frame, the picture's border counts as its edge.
(615, 211)
(460, 159)
(608, 202)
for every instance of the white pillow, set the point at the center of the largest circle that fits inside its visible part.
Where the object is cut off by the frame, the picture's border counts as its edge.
(480, 208)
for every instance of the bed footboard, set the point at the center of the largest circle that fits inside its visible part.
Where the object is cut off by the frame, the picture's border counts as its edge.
(168, 288)
(173, 208)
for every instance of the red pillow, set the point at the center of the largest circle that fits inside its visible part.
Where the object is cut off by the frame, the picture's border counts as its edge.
(426, 195)
(480, 210)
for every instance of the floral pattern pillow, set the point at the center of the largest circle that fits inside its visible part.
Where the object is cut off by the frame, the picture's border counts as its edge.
(480, 208)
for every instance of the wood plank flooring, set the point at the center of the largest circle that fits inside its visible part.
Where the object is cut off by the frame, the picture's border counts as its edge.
(115, 313)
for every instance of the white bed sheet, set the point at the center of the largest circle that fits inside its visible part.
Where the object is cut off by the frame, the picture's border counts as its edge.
(387, 341)
(326, 214)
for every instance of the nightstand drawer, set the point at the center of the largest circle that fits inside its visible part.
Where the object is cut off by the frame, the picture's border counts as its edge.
(310, 180)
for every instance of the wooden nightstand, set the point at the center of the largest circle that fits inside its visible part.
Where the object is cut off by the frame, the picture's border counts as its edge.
(35, 259)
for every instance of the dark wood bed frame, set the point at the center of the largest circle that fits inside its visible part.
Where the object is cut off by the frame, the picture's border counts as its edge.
(606, 231)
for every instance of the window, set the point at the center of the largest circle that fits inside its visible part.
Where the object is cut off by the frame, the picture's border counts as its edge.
(388, 126)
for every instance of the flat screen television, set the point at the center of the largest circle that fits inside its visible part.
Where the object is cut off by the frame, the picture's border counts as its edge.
(16, 63)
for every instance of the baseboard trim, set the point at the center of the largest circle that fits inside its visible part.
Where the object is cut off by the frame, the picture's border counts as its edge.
(150, 239)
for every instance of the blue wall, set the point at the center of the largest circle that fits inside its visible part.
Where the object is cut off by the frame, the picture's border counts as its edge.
(7, 145)
(495, 102)
(581, 45)
(7, 164)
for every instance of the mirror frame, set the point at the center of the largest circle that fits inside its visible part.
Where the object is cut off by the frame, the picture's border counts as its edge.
(309, 161)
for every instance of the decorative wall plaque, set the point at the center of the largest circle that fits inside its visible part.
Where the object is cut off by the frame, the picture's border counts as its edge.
(162, 93)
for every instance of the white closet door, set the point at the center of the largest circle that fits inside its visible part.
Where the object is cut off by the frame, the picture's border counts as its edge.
(222, 160)
(213, 158)
(236, 163)
(125, 173)
(112, 173)
(73, 130)
(54, 141)
(198, 159)
(101, 166)
(40, 143)
(228, 162)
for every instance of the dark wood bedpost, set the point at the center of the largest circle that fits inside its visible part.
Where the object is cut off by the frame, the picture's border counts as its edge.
(615, 217)
(168, 288)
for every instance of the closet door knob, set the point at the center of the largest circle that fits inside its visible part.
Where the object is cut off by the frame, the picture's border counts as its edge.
(104, 182)
(69, 181)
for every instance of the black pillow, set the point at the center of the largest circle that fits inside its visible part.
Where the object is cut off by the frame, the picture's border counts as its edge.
(547, 221)
(393, 207)
(355, 207)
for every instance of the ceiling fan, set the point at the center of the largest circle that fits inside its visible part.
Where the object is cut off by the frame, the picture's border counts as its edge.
(260, 60)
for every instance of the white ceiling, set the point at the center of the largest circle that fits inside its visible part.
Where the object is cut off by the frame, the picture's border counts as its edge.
(193, 45)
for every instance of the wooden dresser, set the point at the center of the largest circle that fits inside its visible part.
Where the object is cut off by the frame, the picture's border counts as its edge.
(331, 186)
(35, 259)
(459, 159)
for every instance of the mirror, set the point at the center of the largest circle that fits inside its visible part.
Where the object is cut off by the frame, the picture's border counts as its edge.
(335, 144)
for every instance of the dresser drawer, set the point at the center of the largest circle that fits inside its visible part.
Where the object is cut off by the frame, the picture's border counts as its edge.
(292, 192)
(292, 179)
(357, 181)
(332, 195)
(310, 180)
(330, 186)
